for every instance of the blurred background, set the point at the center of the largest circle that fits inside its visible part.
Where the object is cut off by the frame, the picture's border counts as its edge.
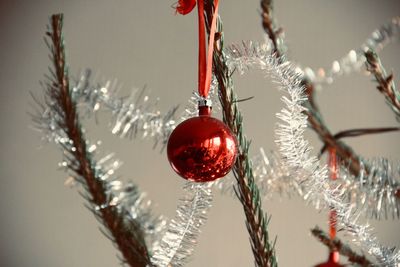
(142, 43)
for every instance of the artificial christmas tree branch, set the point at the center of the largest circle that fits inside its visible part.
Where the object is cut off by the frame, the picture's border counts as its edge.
(343, 249)
(345, 153)
(247, 190)
(125, 223)
(360, 132)
(385, 82)
(270, 27)
(127, 234)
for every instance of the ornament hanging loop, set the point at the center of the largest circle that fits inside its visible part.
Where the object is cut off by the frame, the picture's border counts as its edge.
(205, 107)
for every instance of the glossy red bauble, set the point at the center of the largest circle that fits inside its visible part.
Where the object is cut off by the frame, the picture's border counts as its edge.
(202, 149)
(333, 261)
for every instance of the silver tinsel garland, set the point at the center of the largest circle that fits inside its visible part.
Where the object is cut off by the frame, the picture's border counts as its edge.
(376, 194)
(354, 60)
(137, 116)
(296, 152)
(178, 243)
(134, 115)
(126, 198)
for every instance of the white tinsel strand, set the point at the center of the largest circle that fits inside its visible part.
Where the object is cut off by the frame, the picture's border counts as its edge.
(270, 174)
(374, 193)
(355, 59)
(383, 181)
(125, 198)
(296, 152)
(133, 115)
(178, 243)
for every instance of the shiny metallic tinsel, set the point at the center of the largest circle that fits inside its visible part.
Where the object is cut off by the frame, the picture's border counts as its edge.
(178, 243)
(127, 199)
(133, 115)
(376, 194)
(270, 174)
(351, 62)
(296, 152)
(355, 59)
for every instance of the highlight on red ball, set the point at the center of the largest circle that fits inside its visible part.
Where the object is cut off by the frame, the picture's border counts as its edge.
(202, 149)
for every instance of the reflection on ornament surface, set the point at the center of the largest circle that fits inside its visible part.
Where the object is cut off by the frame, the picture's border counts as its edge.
(202, 149)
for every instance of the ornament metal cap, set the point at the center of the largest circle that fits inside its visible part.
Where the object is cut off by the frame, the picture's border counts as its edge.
(205, 106)
(204, 102)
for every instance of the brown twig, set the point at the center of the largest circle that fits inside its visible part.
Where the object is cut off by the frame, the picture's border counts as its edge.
(247, 190)
(385, 82)
(129, 238)
(360, 132)
(269, 26)
(343, 249)
(345, 154)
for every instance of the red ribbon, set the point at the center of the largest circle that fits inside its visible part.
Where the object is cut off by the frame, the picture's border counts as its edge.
(333, 173)
(205, 61)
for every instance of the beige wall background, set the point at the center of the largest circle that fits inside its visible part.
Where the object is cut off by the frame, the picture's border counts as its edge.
(44, 223)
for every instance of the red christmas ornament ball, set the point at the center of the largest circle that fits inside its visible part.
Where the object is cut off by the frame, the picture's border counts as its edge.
(202, 149)
(333, 261)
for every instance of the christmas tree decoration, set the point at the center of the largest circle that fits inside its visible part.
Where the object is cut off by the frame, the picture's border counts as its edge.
(124, 210)
(202, 149)
(355, 59)
(333, 259)
(374, 190)
(178, 242)
(295, 151)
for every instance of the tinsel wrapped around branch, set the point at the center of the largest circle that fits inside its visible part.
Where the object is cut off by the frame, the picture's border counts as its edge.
(177, 244)
(353, 61)
(247, 190)
(371, 186)
(373, 190)
(122, 209)
(127, 232)
(296, 152)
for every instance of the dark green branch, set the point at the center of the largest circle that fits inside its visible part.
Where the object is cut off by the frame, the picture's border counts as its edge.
(247, 190)
(125, 233)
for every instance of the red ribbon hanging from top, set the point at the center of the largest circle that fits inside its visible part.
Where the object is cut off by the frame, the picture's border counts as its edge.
(333, 174)
(333, 170)
(205, 61)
